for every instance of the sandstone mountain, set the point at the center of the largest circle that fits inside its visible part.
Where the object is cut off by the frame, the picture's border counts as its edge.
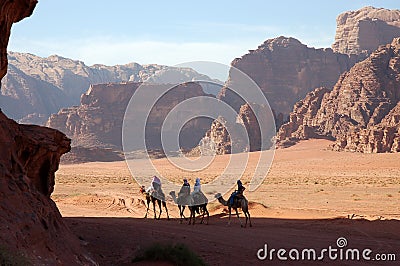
(361, 112)
(31, 226)
(362, 31)
(286, 70)
(97, 121)
(26, 98)
(242, 134)
(37, 87)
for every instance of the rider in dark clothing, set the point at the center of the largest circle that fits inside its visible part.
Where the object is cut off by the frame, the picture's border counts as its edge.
(185, 189)
(237, 192)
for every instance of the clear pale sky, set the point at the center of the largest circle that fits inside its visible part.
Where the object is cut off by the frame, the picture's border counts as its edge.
(172, 32)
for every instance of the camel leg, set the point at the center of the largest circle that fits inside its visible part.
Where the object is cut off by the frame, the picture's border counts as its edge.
(159, 206)
(180, 213)
(190, 216)
(245, 215)
(237, 214)
(183, 212)
(202, 215)
(148, 207)
(154, 209)
(248, 213)
(194, 215)
(230, 212)
(208, 214)
(165, 206)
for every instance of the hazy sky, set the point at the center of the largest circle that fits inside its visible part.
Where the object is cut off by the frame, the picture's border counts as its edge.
(172, 32)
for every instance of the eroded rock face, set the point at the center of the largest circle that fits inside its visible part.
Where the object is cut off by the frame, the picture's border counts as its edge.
(11, 11)
(301, 121)
(286, 70)
(362, 31)
(97, 122)
(28, 99)
(30, 223)
(244, 134)
(360, 112)
(36, 87)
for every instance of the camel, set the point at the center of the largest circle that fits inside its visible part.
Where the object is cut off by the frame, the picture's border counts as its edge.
(238, 202)
(160, 200)
(188, 200)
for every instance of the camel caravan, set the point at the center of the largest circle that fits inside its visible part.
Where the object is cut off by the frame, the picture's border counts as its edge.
(195, 201)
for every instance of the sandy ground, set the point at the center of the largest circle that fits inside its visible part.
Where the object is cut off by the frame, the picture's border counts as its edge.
(310, 198)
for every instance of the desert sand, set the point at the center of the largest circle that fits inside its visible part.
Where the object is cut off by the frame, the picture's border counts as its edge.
(310, 197)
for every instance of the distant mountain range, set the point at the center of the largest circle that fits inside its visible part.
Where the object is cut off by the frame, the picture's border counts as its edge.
(36, 87)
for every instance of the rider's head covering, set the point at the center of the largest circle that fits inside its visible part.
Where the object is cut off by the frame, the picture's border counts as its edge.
(239, 183)
(197, 183)
(185, 181)
(156, 180)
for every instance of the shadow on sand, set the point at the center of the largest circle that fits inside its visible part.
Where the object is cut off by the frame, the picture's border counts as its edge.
(115, 241)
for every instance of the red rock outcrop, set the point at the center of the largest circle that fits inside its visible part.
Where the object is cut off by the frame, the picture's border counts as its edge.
(97, 122)
(11, 11)
(217, 140)
(30, 223)
(242, 135)
(286, 70)
(301, 124)
(360, 112)
(31, 228)
(362, 31)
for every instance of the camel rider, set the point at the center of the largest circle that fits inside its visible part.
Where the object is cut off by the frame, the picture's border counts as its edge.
(185, 189)
(197, 186)
(197, 194)
(155, 185)
(237, 193)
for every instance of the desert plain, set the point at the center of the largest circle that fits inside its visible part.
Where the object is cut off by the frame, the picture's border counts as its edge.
(310, 197)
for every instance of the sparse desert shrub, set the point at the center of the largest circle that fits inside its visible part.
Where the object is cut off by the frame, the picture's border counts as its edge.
(177, 254)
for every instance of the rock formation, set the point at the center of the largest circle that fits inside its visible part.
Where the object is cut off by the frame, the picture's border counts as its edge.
(37, 87)
(362, 31)
(361, 111)
(301, 124)
(286, 70)
(11, 11)
(97, 122)
(28, 99)
(242, 135)
(30, 223)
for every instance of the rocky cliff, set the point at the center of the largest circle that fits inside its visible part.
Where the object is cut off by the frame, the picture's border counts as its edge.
(97, 121)
(362, 31)
(31, 228)
(286, 70)
(362, 110)
(11, 12)
(36, 87)
(242, 135)
(29, 99)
